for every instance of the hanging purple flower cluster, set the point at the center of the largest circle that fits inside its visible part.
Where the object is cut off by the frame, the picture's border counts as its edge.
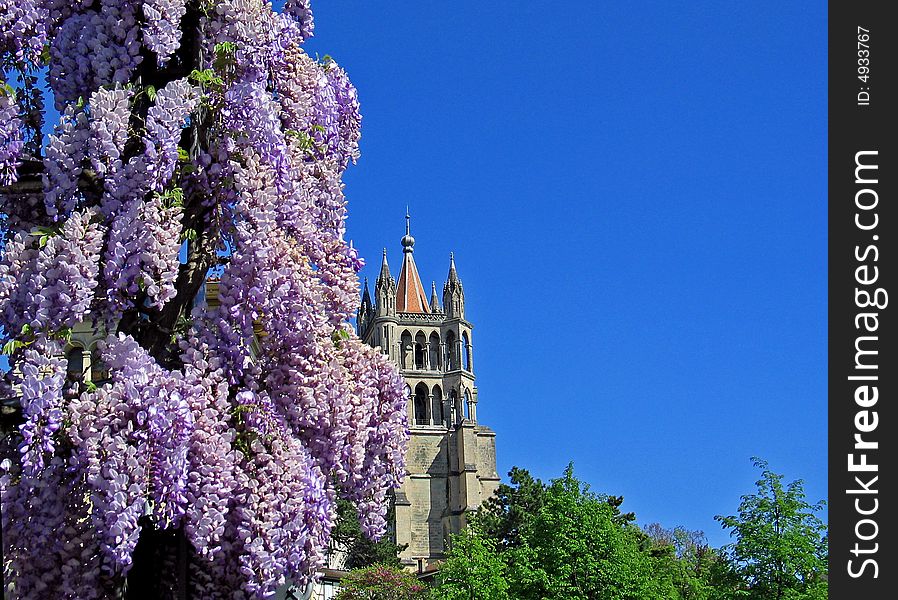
(194, 138)
(302, 12)
(11, 139)
(162, 34)
(95, 44)
(23, 29)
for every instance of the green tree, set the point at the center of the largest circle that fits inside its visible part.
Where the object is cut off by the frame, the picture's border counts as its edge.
(579, 546)
(382, 582)
(348, 537)
(781, 547)
(697, 571)
(473, 569)
(512, 508)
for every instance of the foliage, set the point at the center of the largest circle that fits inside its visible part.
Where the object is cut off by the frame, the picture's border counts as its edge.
(194, 137)
(560, 540)
(381, 582)
(473, 569)
(579, 545)
(697, 571)
(511, 510)
(781, 545)
(360, 550)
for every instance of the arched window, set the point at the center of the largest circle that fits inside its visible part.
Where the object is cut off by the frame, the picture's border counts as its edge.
(405, 350)
(420, 343)
(439, 417)
(454, 407)
(421, 416)
(467, 404)
(435, 362)
(451, 360)
(74, 377)
(466, 351)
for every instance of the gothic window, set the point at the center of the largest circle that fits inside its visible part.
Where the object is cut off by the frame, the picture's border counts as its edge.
(467, 404)
(420, 343)
(451, 360)
(437, 410)
(466, 342)
(74, 372)
(405, 350)
(421, 417)
(454, 407)
(435, 362)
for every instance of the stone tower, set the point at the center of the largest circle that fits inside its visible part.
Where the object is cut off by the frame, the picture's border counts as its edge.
(451, 462)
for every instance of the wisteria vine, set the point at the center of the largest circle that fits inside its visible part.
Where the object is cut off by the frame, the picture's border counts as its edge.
(185, 221)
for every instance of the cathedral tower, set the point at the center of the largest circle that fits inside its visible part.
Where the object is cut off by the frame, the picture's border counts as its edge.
(451, 461)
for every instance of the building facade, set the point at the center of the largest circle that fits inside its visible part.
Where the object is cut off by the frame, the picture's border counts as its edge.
(451, 460)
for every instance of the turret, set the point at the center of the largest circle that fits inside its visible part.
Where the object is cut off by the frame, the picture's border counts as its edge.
(453, 293)
(366, 309)
(385, 290)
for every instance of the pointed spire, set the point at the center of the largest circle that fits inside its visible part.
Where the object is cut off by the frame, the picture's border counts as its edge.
(385, 289)
(366, 295)
(434, 301)
(410, 296)
(384, 269)
(453, 292)
(453, 274)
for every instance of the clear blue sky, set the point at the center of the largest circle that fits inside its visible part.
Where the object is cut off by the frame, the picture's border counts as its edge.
(635, 193)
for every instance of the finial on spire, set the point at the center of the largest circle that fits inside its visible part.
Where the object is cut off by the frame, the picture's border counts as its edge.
(408, 242)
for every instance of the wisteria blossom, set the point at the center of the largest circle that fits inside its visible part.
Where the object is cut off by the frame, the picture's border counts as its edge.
(11, 139)
(188, 209)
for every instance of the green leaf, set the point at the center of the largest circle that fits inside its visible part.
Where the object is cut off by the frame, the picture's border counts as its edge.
(11, 346)
(206, 77)
(225, 48)
(64, 333)
(151, 93)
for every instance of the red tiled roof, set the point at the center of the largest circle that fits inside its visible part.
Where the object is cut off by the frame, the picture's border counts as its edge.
(410, 295)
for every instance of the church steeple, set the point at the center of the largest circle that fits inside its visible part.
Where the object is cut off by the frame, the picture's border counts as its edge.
(410, 296)
(453, 292)
(385, 290)
(433, 348)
